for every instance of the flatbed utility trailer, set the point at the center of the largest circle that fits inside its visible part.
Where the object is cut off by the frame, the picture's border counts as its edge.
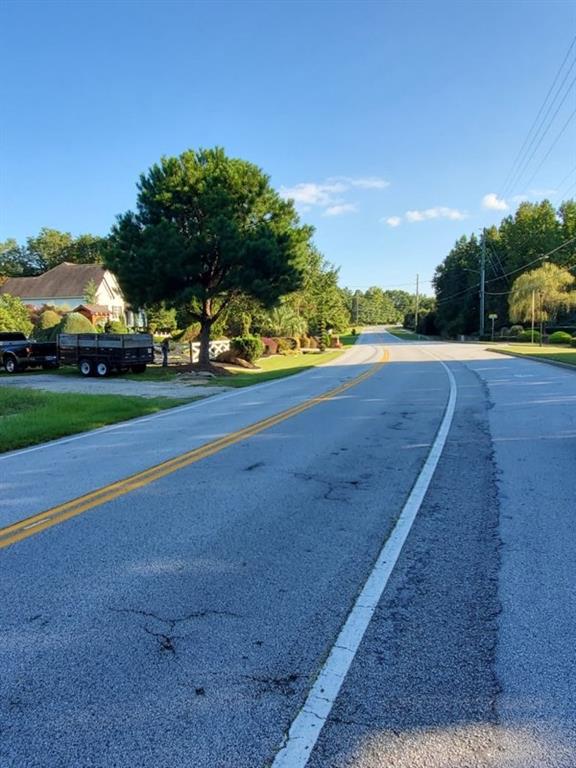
(98, 354)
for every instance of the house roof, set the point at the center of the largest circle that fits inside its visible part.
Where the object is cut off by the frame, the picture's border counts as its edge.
(64, 281)
(95, 309)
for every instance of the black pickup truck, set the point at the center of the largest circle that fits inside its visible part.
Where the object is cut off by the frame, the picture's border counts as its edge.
(18, 353)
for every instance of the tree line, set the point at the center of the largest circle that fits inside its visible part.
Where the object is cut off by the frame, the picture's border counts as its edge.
(536, 234)
(46, 250)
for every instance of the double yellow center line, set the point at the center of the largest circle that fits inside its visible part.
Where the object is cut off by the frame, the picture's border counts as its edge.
(30, 526)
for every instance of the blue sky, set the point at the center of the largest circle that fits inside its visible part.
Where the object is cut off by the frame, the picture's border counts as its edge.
(389, 122)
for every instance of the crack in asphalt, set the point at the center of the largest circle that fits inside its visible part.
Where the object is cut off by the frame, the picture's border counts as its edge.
(332, 486)
(276, 683)
(167, 638)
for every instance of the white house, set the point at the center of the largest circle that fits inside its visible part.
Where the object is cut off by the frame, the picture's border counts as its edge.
(67, 285)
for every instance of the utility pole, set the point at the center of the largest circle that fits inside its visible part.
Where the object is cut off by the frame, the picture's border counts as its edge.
(541, 318)
(417, 304)
(533, 313)
(356, 307)
(482, 282)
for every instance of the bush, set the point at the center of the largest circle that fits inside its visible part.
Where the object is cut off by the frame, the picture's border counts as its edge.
(74, 322)
(573, 342)
(504, 331)
(14, 315)
(526, 336)
(248, 348)
(48, 319)
(116, 326)
(516, 330)
(295, 342)
(285, 345)
(560, 337)
(270, 345)
(190, 333)
(313, 343)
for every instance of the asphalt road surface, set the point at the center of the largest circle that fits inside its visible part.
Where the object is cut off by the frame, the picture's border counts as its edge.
(183, 617)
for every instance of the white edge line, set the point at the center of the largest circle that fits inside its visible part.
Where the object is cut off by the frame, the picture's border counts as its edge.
(171, 411)
(305, 729)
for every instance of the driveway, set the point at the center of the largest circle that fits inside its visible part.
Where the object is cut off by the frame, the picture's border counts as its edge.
(179, 387)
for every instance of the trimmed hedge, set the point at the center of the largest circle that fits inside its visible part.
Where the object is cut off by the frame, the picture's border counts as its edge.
(527, 336)
(248, 348)
(74, 322)
(270, 345)
(560, 337)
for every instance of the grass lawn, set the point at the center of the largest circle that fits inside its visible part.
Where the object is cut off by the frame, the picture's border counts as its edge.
(402, 333)
(559, 354)
(28, 417)
(275, 367)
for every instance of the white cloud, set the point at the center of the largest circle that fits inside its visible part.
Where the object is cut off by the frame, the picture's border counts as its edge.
(393, 221)
(492, 202)
(439, 212)
(340, 208)
(329, 194)
(309, 193)
(367, 182)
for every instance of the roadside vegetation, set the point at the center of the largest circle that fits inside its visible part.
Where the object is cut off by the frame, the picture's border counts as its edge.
(268, 368)
(557, 354)
(529, 262)
(28, 417)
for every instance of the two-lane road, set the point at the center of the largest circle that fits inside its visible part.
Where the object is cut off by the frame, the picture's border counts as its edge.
(182, 620)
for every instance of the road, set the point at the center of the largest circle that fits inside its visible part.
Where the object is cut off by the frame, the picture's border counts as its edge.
(182, 618)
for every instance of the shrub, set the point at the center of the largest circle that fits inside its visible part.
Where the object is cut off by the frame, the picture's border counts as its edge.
(116, 326)
(560, 337)
(573, 342)
(527, 336)
(248, 348)
(313, 343)
(270, 345)
(285, 345)
(504, 331)
(190, 333)
(14, 315)
(295, 342)
(48, 319)
(516, 330)
(74, 322)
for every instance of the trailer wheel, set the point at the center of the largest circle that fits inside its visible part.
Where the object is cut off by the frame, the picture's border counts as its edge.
(85, 367)
(139, 368)
(11, 364)
(102, 368)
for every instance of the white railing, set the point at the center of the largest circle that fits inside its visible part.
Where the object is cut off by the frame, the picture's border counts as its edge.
(189, 352)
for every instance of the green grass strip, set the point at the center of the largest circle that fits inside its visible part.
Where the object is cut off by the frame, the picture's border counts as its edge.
(402, 333)
(29, 417)
(557, 354)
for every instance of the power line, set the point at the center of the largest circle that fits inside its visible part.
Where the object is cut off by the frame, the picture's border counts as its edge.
(518, 160)
(565, 179)
(506, 293)
(526, 163)
(556, 140)
(507, 274)
(539, 258)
